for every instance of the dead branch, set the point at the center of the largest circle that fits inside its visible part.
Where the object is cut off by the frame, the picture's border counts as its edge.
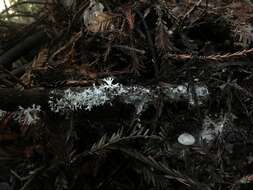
(217, 57)
(23, 47)
(11, 98)
(191, 10)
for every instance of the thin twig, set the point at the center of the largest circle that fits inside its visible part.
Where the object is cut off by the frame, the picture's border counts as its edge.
(20, 15)
(217, 57)
(6, 7)
(191, 10)
(129, 48)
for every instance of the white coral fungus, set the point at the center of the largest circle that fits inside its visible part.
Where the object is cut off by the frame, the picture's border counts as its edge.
(214, 127)
(28, 116)
(183, 92)
(95, 96)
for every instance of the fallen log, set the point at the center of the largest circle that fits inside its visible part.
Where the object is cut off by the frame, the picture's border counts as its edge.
(75, 99)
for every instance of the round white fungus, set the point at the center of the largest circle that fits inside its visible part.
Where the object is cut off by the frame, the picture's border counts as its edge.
(186, 139)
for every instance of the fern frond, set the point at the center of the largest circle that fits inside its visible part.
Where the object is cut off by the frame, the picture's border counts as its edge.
(156, 166)
(116, 138)
(162, 37)
(110, 143)
(158, 182)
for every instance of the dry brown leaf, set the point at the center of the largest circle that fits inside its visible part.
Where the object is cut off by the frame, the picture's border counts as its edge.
(101, 22)
(41, 60)
(96, 20)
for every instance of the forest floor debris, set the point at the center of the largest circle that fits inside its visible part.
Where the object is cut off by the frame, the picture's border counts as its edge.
(136, 94)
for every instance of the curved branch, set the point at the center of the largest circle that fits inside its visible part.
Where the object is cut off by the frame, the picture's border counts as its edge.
(23, 47)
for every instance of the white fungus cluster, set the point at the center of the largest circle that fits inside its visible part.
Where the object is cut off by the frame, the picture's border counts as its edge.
(184, 92)
(96, 96)
(186, 139)
(28, 116)
(210, 129)
(214, 127)
(139, 97)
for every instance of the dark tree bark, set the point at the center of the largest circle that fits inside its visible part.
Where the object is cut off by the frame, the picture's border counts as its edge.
(11, 98)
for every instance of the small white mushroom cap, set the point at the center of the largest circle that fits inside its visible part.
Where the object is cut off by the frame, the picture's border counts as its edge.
(186, 139)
